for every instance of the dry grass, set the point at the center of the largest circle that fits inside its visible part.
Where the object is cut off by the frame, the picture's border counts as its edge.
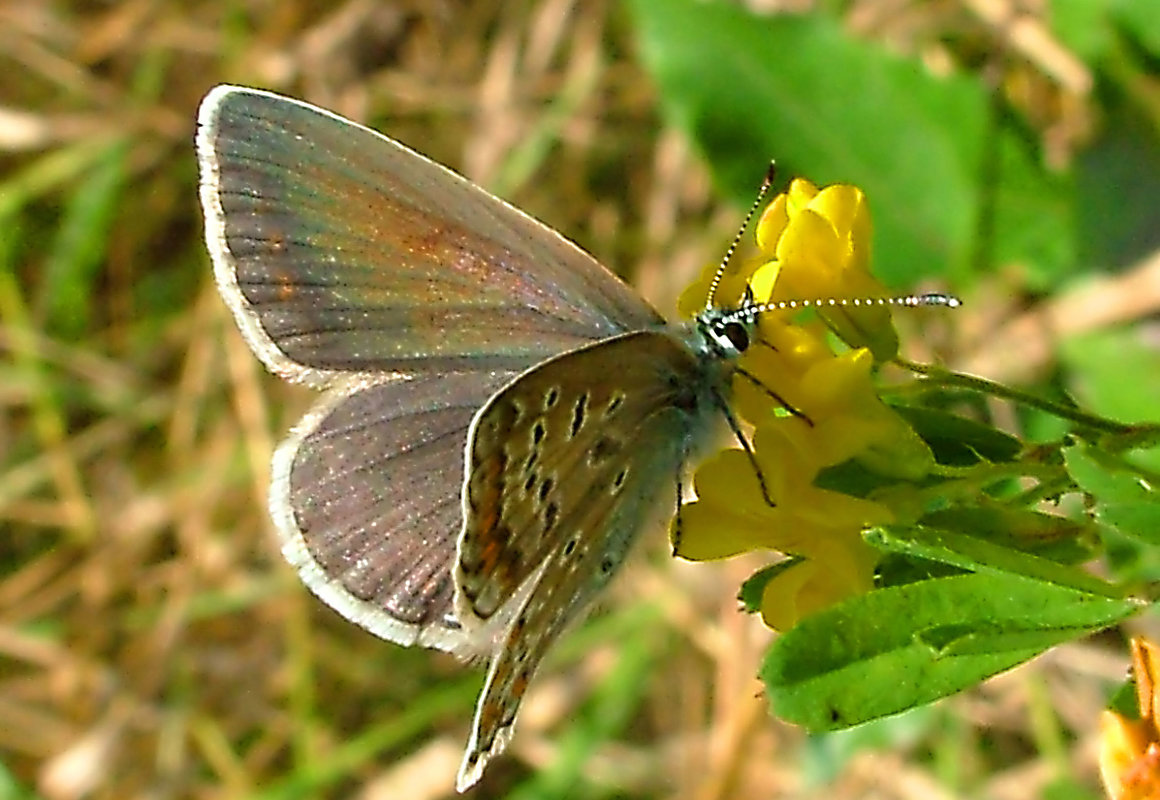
(152, 643)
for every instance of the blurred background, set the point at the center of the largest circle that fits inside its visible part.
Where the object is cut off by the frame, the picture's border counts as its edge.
(152, 642)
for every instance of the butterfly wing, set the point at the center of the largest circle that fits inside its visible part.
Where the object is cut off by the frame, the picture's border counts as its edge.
(349, 262)
(607, 452)
(366, 498)
(340, 250)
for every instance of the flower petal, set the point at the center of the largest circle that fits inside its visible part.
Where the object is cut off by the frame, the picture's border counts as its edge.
(817, 583)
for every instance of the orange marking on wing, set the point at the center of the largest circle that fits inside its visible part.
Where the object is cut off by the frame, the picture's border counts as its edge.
(485, 541)
(491, 713)
(519, 686)
(276, 242)
(490, 553)
(286, 288)
(489, 495)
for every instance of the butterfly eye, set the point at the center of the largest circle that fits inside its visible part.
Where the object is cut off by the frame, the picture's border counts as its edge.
(737, 335)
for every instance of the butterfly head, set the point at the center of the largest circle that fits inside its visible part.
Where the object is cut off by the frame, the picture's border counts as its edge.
(728, 332)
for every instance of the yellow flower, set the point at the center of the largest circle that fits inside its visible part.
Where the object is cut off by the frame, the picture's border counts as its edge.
(780, 360)
(839, 570)
(822, 238)
(731, 289)
(731, 516)
(811, 409)
(820, 247)
(845, 418)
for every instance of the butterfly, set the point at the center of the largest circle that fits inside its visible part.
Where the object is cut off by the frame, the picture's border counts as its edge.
(501, 415)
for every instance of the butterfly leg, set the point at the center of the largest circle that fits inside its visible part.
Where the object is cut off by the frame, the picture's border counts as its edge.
(777, 398)
(735, 426)
(676, 534)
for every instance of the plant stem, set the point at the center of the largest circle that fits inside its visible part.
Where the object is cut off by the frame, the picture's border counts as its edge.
(945, 377)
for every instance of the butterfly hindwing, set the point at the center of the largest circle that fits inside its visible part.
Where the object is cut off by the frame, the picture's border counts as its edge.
(366, 498)
(604, 498)
(548, 441)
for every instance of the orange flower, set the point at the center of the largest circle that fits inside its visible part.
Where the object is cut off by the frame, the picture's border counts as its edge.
(1130, 748)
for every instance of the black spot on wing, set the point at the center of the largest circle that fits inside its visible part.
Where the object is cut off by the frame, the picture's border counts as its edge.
(579, 413)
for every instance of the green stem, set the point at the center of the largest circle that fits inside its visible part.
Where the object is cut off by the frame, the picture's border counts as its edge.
(971, 481)
(1043, 491)
(945, 377)
(1140, 437)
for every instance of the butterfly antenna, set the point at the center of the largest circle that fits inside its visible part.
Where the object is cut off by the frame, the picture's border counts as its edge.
(766, 184)
(906, 301)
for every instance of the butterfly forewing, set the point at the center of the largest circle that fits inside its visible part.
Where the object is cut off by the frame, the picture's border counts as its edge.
(341, 250)
(608, 468)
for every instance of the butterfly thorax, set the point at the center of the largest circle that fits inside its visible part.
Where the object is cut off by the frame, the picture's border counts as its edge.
(713, 341)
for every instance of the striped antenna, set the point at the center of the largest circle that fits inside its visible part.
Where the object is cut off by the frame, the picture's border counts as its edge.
(766, 185)
(905, 301)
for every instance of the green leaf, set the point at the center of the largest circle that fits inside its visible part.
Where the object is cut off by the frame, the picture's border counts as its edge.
(78, 253)
(895, 569)
(897, 648)
(980, 555)
(1047, 535)
(957, 440)
(1138, 520)
(963, 640)
(1034, 216)
(1116, 374)
(1124, 701)
(753, 588)
(1124, 499)
(853, 478)
(832, 108)
(1142, 20)
(1088, 467)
